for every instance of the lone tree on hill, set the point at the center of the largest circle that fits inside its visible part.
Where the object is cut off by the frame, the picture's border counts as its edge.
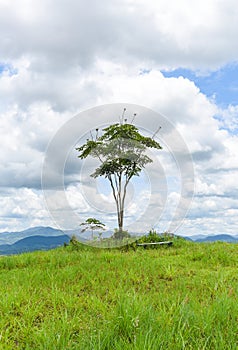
(121, 150)
(93, 224)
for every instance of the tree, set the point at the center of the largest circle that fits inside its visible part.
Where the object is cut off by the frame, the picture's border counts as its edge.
(121, 150)
(93, 225)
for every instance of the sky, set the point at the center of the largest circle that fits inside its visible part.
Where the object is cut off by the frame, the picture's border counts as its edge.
(60, 59)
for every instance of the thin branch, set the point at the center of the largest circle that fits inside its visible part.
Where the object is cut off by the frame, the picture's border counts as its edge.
(91, 134)
(115, 197)
(119, 189)
(125, 187)
(133, 118)
(156, 132)
(97, 154)
(113, 188)
(116, 182)
(99, 157)
(122, 116)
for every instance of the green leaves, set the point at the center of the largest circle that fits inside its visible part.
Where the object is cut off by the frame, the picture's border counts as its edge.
(92, 224)
(122, 166)
(121, 150)
(122, 138)
(128, 132)
(88, 148)
(93, 221)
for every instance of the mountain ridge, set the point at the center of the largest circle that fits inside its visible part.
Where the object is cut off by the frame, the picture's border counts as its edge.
(44, 238)
(218, 237)
(32, 243)
(14, 236)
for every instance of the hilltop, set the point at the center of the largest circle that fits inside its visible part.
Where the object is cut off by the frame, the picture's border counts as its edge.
(79, 297)
(45, 238)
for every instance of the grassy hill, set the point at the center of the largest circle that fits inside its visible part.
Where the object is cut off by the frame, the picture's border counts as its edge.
(179, 297)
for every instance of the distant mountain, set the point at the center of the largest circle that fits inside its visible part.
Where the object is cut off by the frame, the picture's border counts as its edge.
(221, 238)
(37, 238)
(214, 238)
(12, 237)
(196, 237)
(32, 243)
(44, 238)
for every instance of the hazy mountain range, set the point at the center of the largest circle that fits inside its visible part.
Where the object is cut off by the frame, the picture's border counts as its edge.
(214, 238)
(36, 238)
(12, 237)
(32, 243)
(45, 238)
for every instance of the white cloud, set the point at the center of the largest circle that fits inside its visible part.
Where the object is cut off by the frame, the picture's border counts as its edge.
(60, 34)
(67, 56)
(21, 208)
(229, 118)
(24, 138)
(178, 99)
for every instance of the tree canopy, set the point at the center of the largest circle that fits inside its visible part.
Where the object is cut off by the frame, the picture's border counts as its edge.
(93, 225)
(121, 151)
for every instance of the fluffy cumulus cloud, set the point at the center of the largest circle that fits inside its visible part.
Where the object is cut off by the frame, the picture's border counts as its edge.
(21, 208)
(61, 34)
(59, 58)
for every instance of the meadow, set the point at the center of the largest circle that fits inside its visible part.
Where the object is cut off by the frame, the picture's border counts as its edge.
(179, 297)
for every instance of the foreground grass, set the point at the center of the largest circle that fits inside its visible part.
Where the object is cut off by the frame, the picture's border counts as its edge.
(180, 297)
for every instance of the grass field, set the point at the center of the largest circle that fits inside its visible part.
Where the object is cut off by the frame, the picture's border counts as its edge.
(179, 297)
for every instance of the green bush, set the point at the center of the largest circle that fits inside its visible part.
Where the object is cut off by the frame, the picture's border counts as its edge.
(118, 234)
(153, 237)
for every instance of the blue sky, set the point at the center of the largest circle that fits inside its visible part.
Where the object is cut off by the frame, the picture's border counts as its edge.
(221, 85)
(61, 58)
(6, 67)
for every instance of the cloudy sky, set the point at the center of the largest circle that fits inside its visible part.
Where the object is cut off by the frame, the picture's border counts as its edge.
(59, 58)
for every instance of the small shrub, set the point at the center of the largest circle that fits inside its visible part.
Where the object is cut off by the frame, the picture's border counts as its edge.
(153, 237)
(118, 234)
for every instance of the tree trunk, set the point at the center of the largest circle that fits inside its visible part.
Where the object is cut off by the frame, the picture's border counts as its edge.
(119, 193)
(120, 224)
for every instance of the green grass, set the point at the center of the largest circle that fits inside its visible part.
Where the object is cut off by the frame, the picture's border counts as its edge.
(179, 297)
